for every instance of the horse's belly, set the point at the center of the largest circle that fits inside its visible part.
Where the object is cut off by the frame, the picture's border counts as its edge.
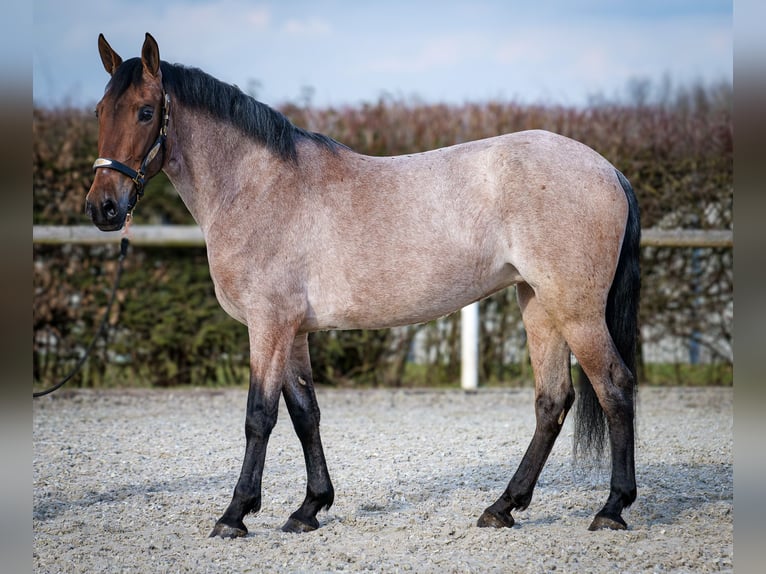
(399, 297)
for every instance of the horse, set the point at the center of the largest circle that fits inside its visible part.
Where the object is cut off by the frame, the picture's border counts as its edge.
(304, 234)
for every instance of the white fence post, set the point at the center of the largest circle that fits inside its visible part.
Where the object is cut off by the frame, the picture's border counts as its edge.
(469, 347)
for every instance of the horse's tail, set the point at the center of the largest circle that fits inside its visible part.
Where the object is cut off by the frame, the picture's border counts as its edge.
(622, 322)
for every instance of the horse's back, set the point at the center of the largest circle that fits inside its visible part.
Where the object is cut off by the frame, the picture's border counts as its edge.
(533, 174)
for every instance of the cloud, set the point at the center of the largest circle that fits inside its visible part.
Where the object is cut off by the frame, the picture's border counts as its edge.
(433, 53)
(223, 21)
(312, 27)
(607, 52)
(259, 17)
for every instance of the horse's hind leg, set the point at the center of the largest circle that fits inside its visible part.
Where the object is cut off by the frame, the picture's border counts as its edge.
(554, 396)
(613, 383)
(304, 411)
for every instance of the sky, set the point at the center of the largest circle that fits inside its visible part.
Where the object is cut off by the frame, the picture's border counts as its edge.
(344, 52)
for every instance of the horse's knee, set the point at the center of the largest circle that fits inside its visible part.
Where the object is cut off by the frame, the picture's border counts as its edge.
(259, 423)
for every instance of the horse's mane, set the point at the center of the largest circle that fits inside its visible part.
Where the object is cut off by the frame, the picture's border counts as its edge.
(194, 88)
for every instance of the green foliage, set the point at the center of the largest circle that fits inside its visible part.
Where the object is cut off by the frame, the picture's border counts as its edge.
(661, 374)
(63, 150)
(350, 357)
(168, 329)
(185, 336)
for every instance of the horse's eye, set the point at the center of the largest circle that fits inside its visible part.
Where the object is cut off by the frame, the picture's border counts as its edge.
(145, 114)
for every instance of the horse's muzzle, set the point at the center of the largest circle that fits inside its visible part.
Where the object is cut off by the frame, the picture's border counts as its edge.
(108, 214)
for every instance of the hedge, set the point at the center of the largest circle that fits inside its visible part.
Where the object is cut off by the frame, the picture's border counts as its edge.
(167, 328)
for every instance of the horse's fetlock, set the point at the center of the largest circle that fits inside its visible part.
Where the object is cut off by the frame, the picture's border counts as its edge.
(249, 503)
(321, 498)
(522, 503)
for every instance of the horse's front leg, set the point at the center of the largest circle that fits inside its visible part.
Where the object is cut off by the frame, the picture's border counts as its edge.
(304, 411)
(269, 353)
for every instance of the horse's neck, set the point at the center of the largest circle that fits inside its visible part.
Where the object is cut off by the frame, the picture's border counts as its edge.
(205, 162)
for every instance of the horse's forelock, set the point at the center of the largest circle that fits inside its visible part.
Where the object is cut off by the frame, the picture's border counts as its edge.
(129, 73)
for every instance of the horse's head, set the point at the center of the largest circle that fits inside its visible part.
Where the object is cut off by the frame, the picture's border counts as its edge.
(132, 124)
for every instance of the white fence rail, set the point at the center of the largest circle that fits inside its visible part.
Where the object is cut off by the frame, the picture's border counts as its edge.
(159, 235)
(191, 236)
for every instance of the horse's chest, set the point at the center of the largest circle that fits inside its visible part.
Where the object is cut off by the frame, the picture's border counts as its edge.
(228, 291)
(230, 304)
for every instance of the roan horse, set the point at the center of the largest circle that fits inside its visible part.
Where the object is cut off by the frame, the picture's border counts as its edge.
(304, 234)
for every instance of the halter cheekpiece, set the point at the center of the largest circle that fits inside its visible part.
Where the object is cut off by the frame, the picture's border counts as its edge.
(139, 177)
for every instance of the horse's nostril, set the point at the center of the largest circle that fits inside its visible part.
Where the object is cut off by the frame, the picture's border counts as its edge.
(109, 209)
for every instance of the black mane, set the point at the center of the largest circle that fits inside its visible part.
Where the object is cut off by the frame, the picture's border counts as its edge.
(194, 88)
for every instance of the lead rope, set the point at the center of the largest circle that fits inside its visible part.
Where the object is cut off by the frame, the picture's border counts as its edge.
(101, 329)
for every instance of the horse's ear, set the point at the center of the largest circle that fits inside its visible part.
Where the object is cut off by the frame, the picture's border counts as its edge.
(109, 57)
(150, 55)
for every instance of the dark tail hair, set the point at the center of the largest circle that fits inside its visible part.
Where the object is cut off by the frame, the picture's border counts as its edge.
(622, 322)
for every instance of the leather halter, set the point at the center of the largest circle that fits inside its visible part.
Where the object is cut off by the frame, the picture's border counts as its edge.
(139, 177)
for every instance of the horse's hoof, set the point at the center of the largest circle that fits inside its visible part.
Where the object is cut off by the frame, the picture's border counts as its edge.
(491, 520)
(605, 522)
(221, 530)
(298, 526)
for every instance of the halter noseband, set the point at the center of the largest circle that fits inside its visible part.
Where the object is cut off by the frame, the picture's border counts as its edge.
(139, 177)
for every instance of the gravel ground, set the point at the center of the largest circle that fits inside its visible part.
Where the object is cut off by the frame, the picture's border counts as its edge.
(133, 481)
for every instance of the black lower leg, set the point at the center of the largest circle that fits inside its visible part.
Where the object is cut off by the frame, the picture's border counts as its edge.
(304, 412)
(260, 420)
(622, 492)
(518, 493)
